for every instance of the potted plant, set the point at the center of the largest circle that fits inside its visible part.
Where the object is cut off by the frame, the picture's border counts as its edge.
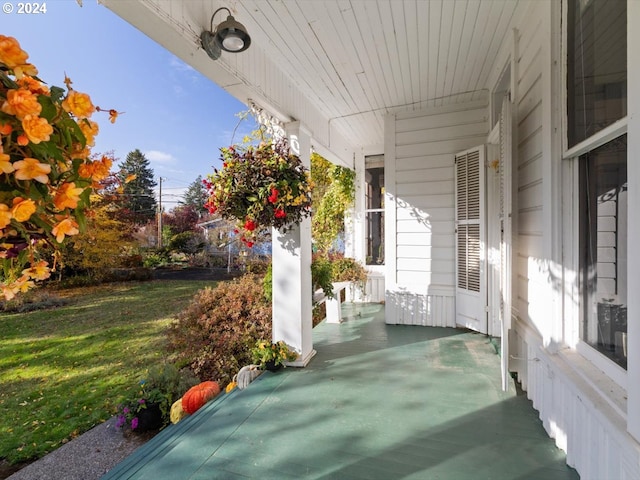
(272, 356)
(150, 407)
(259, 187)
(145, 411)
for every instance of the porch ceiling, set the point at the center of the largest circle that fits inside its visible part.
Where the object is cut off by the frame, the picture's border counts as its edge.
(342, 64)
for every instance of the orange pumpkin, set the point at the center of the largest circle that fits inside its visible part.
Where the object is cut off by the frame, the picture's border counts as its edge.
(198, 395)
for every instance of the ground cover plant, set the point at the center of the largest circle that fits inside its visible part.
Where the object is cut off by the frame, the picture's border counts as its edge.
(63, 370)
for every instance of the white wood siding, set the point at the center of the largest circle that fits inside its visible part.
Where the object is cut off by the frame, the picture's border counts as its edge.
(424, 146)
(529, 167)
(592, 432)
(580, 407)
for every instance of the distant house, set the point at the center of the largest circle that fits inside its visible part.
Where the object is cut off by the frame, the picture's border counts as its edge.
(494, 146)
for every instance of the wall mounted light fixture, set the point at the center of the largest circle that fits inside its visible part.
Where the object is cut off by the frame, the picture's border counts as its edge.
(230, 36)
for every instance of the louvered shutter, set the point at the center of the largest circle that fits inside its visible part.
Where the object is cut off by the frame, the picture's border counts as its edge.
(469, 210)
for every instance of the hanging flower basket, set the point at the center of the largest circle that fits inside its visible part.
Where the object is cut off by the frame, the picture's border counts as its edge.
(260, 187)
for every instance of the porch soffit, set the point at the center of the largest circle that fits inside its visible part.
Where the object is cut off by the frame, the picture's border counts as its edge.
(339, 66)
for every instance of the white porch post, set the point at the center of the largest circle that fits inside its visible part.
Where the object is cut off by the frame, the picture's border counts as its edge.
(291, 263)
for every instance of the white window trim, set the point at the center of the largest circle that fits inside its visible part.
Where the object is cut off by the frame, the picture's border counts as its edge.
(598, 361)
(598, 139)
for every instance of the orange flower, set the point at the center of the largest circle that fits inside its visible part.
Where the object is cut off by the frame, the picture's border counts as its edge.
(37, 129)
(39, 271)
(23, 284)
(96, 170)
(32, 169)
(80, 152)
(33, 85)
(64, 165)
(23, 209)
(5, 215)
(8, 292)
(23, 140)
(113, 114)
(67, 196)
(21, 103)
(66, 227)
(10, 52)
(27, 69)
(79, 104)
(89, 129)
(6, 129)
(5, 163)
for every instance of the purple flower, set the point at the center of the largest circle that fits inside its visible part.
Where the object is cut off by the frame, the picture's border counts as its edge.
(141, 401)
(125, 410)
(120, 421)
(134, 423)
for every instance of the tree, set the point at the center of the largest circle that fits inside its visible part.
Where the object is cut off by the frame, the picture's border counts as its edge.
(137, 179)
(182, 218)
(107, 243)
(196, 196)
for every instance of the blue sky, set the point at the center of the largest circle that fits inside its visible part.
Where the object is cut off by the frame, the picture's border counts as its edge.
(178, 118)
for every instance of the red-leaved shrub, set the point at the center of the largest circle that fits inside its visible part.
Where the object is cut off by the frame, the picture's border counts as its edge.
(214, 335)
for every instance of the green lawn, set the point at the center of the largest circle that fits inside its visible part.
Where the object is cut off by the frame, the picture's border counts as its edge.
(64, 370)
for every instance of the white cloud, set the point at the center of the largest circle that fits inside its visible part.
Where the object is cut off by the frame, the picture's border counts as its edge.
(159, 157)
(179, 65)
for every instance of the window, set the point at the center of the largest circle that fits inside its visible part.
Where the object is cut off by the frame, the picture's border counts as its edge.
(597, 66)
(603, 249)
(596, 99)
(374, 210)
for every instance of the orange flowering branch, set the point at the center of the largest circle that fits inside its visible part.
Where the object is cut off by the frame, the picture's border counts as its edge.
(46, 170)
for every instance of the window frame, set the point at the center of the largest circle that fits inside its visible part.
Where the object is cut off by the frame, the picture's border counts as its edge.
(572, 156)
(375, 159)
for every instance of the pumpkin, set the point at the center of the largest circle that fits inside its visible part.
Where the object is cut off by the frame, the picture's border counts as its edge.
(198, 395)
(177, 413)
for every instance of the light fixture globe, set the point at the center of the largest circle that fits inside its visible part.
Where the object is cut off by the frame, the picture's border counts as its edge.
(232, 36)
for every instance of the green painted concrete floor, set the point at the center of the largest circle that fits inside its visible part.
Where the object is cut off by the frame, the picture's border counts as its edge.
(376, 402)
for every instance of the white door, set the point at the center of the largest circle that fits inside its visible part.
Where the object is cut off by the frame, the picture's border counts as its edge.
(471, 297)
(506, 217)
(499, 245)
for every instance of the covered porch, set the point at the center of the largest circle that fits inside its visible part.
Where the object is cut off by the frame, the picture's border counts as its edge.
(377, 401)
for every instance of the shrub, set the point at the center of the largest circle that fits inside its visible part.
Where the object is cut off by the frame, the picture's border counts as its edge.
(214, 335)
(186, 242)
(155, 258)
(32, 300)
(267, 284)
(347, 269)
(171, 380)
(322, 275)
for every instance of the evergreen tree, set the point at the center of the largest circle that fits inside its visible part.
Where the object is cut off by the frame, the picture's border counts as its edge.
(139, 198)
(196, 196)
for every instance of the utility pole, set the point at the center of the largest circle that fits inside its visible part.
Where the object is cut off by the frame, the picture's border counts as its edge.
(160, 213)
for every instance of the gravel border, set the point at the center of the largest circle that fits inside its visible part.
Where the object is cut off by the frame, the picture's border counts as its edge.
(87, 457)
